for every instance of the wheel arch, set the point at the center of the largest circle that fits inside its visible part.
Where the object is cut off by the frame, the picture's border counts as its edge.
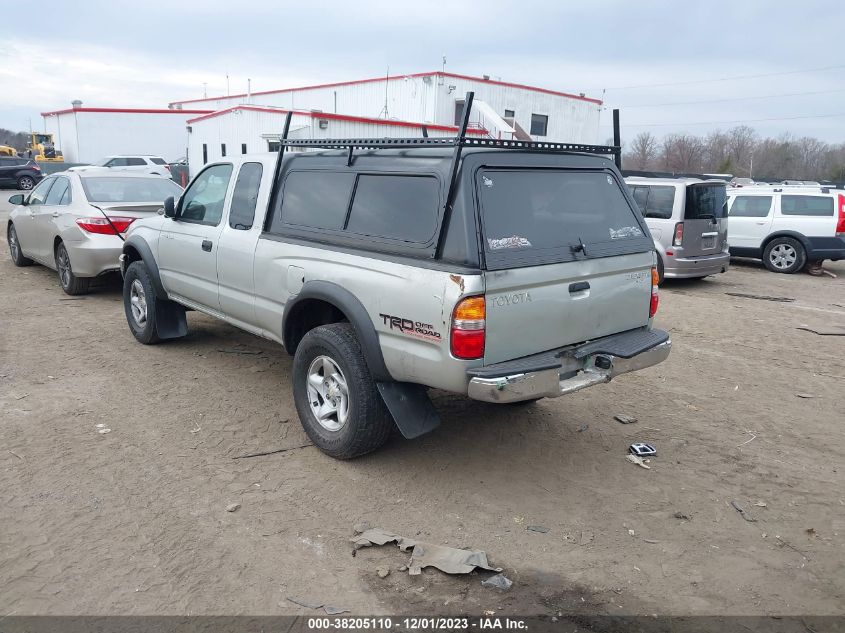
(136, 249)
(805, 242)
(324, 302)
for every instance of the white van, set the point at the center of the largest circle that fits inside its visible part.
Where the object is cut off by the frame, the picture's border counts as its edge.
(787, 226)
(687, 218)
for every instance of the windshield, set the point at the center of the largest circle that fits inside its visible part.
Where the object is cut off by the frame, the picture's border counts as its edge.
(152, 189)
(556, 215)
(706, 202)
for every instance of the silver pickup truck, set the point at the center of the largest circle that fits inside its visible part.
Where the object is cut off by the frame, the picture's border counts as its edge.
(505, 271)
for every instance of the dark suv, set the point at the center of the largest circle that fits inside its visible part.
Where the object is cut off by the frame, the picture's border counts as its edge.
(21, 173)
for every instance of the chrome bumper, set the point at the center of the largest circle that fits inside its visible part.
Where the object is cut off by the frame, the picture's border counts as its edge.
(549, 384)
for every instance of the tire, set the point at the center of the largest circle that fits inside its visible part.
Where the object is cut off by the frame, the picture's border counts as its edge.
(139, 303)
(69, 282)
(356, 420)
(26, 183)
(784, 255)
(15, 247)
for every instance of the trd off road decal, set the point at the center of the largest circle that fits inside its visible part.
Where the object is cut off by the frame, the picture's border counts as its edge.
(411, 328)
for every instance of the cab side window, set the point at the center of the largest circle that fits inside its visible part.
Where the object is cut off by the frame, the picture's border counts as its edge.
(116, 162)
(203, 202)
(39, 194)
(59, 193)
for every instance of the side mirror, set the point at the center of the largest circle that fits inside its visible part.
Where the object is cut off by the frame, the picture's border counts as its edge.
(16, 199)
(169, 207)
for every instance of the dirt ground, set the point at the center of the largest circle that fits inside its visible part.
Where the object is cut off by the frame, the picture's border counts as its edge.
(135, 521)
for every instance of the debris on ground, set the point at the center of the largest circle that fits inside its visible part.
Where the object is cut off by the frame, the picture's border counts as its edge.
(805, 395)
(625, 419)
(519, 520)
(760, 297)
(639, 461)
(247, 352)
(330, 610)
(832, 330)
(642, 449)
(743, 512)
(537, 528)
(21, 396)
(233, 507)
(310, 604)
(273, 452)
(810, 531)
(761, 504)
(447, 559)
(383, 571)
(363, 526)
(499, 581)
(102, 429)
(682, 516)
(583, 428)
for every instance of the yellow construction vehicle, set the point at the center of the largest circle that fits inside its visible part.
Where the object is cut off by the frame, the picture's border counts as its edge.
(43, 149)
(5, 150)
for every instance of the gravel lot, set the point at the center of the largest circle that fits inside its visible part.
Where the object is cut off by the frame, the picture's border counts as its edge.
(135, 521)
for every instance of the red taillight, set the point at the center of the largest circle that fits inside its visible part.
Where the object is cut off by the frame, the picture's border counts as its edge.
(655, 296)
(102, 226)
(679, 234)
(36, 166)
(840, 223)
(468, 329)
(167, 167)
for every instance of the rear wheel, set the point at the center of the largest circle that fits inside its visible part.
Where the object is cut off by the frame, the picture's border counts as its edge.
(70, 283)
(15, 247)
(26, 183)
(784, 255)
(336, 398)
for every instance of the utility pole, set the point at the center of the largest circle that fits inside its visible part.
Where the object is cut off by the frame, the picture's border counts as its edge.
(205, 89)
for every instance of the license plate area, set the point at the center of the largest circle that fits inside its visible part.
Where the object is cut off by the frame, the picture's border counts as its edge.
(708, 242)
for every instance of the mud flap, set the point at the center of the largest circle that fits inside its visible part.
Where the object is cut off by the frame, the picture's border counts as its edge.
(410, 407)
(170, 320)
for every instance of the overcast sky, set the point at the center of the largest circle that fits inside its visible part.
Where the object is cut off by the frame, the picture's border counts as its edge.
(644, 54)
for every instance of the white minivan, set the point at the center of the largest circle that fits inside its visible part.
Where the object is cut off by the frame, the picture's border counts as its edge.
(687, 218)
(787, 226)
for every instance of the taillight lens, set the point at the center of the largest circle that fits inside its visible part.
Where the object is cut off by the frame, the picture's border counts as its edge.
(101, 226)
(35, 166)
(679, 234)
(840, 223)
(655, 296)
(468, 328)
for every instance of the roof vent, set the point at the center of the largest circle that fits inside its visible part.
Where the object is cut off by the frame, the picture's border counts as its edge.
(76, 103)
(486, 77)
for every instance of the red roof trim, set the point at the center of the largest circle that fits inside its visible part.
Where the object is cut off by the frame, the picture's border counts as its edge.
(335, 117)
(126, 111)
(373, 79)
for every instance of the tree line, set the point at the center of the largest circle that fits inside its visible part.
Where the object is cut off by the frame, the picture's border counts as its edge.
(18, 140)
(738, 151)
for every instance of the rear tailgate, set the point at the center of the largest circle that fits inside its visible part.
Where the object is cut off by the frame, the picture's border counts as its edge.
(705, 222)
(567, 257)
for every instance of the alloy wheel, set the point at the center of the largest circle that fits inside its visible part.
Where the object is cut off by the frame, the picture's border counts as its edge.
(63, 264)
(13, 242)
(328, 393)
(138, 303)
(783, 256)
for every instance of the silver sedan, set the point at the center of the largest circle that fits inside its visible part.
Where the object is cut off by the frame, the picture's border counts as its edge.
(72, 221)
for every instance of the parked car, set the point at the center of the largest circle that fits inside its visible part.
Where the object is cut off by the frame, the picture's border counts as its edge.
(71, 221)
(21, 173)
(537, 281)
(154, 165)
(688, 220)
(786, 226)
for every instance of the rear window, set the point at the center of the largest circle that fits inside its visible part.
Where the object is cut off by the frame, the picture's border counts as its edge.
(316, 199)
(555, 215)
(158, 161)
(655, 201)
(395, 207)
(706, 202)
(152, 189)
(806, 205)
(245, 196)
(751, 206)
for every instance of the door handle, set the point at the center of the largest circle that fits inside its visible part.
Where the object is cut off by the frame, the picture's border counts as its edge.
(578, 286)
(55, 214)
(206, 245)
(760, 223)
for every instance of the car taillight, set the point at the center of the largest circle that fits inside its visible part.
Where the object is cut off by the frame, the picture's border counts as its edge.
(468, 328)
(102, 226)
(655, 296)
(679, 234)
(35, 166)
(840, 223)
(167, 167)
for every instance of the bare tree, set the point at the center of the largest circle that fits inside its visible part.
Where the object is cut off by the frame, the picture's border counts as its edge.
(644, 151)
(683, 153)
(741, 143)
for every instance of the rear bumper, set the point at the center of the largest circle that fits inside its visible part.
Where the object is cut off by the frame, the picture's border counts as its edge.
(832, 248)
(95, 255)
(686, 267)
(553, 374)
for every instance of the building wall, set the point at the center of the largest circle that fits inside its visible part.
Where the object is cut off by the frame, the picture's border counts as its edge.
(431, 98)
(85, 137)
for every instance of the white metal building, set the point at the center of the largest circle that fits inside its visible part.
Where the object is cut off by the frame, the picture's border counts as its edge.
(87, 134)
(246, 129)
(437, 98)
